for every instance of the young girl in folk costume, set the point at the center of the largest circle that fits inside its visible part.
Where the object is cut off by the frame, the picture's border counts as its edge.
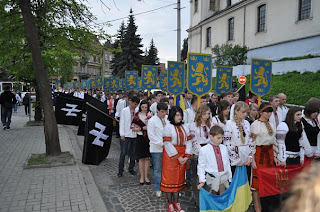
(290, 139)
(223, 114)
(139, 125)
(199, 131)
(252, 116)
(177, 150)
(312, 130)
(263, 134)
(237, 138)
(214, 169)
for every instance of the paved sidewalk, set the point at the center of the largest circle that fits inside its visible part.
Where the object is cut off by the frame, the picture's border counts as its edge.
(63, 188)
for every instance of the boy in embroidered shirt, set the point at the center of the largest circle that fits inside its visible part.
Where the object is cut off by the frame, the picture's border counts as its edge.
(214, 170)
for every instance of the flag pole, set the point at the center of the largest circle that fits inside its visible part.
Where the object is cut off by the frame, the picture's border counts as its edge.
(100, 111)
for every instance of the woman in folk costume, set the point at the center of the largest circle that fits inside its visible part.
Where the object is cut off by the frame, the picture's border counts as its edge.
(311, 126)
(223, 114)
(199, 131)
(290, 138)
(237, 138)
(139, 125)
(177, 149)
(263, 134)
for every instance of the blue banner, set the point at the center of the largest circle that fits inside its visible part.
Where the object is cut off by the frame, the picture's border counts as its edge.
(261, 71)
(76, 84)
(224, 79)
(84, 84)
(123, 87)
(149, 77)
(139, 88)
(163, 80)
(131, 80)
(92, 82)
(176, 77)
(199, 74)
(114, 83)
(99, 82)
(106, 83)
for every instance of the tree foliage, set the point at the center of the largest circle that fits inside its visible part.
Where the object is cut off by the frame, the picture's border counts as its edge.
(151, 56)
(229, 55)
(130, 57)
(184, 50)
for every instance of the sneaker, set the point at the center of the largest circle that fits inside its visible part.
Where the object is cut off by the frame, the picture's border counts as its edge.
(133, 172)
(4, 127)
(158, 193)
(170, 207)
(177, 207)
(119, 174)
(8, 128)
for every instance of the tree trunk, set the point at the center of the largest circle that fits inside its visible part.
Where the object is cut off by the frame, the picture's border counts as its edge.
(42, 79)
(38, 109)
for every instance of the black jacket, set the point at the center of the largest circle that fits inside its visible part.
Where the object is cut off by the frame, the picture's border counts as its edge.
(7, 96)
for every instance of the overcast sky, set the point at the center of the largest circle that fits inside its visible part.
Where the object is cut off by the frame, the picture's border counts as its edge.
(159, 24)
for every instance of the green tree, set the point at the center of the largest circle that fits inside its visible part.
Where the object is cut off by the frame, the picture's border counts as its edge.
(117, 62)
(131, 49)
(151, 57)
(42, 38)
(229, 55)
(184, 50)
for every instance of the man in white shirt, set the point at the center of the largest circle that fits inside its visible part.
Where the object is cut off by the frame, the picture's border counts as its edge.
(153, 107)
(155, 130)
(275, 118)
(190, 113)
(282, 109)
(128, 136)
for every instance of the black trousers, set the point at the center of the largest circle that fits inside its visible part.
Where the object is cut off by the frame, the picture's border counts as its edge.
(26, 109)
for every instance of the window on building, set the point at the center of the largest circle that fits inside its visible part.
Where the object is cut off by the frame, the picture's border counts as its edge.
(196, 3)
(304, 9)
(208, 36)
(262, 18)
(228, 3)
(231, 29)
(212, 5)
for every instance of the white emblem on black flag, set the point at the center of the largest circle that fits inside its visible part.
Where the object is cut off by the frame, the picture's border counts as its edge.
(71, 110)
(84, 117)
(99, 134)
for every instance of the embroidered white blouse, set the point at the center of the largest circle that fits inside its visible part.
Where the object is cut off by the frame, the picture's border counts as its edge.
(197, 134)
(238, 151)
(259, 129)
(207, 162)
(282, 131)
(216, 121)
(311, 150)
(171, 139)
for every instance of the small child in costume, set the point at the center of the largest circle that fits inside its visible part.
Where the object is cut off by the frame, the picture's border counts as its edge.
(214, 170)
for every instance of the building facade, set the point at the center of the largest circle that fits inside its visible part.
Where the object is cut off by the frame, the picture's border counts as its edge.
(271, 29)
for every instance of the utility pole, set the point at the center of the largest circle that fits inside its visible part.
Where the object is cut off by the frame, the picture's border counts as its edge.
(178, 31)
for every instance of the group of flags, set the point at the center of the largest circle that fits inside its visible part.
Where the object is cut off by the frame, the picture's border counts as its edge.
(91, 117)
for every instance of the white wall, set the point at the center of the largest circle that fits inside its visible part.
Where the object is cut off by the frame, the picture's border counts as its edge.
(311, 65)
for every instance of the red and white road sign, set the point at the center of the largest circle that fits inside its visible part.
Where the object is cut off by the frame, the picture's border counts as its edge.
(242, 79)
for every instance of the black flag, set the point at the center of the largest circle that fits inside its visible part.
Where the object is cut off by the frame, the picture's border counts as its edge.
(98, 135)
(242, 93)
(68, 109)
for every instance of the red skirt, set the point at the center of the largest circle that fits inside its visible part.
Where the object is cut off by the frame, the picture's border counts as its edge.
(263, 158)
(173, 173)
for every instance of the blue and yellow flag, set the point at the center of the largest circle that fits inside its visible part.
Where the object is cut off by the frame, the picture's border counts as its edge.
(84, 84)
(176, 77)
(123, 87)
(92, 83)
(106, 83)
(224, 79)
(76, 84)
(139, 88)
(131, 80)
(114, 83)
(199, 74)
(261, 71)
(236, 198)
(99, 82)
(149, 77)
(163, 80)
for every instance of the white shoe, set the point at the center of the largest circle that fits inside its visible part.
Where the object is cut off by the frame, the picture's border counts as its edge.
(158, 193)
